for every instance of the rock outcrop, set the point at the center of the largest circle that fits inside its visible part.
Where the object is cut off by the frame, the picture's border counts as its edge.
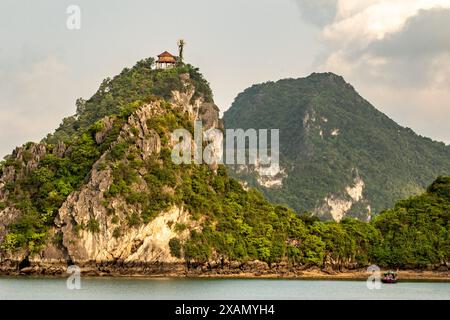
(112, 200)
(145, 243)
(91, 229)
(24, 160)
(339, 205)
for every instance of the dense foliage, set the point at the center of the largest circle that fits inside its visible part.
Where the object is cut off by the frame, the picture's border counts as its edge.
(40, 194)
(241, 225)
(417, 230)
(138, 83)
(329, 134)
(234, 223)
(415, 233)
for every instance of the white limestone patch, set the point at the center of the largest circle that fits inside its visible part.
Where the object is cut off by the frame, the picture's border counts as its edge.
(306, 119)
(335, 132)
(339, 206)
(155, 236)
(268, 176)
(270, 182)
(244, 185)
(271, 176)
(356, 191)
(369, 213)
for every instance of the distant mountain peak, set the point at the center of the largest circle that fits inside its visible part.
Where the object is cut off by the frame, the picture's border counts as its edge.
(326, 75)
(327, 130)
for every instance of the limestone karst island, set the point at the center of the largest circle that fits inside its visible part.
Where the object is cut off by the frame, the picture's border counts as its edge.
(101, 192)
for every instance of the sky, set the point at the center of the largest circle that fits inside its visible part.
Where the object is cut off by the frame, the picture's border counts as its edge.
(396, 53)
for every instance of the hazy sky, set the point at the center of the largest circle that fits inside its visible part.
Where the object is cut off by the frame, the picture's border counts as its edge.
(396, 53)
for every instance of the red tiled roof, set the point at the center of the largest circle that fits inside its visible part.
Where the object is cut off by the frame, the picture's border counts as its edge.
(165, 54)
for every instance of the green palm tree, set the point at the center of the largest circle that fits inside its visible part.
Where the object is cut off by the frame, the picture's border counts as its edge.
(181, 44)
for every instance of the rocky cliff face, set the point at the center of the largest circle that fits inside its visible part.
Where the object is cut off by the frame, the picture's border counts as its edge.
(111, 200)
(90, 227)
(145, 243)
(337, 206)
(21, 162)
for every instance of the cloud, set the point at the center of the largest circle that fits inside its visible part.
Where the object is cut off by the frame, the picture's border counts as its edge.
(357, 23)
(318, 12)
(425, 34)
(403, 44)
(416, 56)
(33, 99)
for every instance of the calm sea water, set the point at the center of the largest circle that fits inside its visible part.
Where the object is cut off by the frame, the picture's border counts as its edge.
(132, 288)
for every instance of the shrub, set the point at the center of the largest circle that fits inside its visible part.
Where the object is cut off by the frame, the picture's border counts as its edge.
(180, 227)
(133, 220)
(116, 233)
(175, 247)
(118, 151)
(93, 225)
(58, 239)
(112, 191)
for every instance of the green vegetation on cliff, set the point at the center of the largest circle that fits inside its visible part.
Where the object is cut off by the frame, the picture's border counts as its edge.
(241, 225)
(139, 83)
(232, 223)
(416, 232)
(330, 136)
(41, 193)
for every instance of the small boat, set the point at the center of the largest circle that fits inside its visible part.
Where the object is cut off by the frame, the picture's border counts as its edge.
(389, 277)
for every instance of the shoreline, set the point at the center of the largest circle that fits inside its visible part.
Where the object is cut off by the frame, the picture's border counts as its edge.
(308, 274)
(409, 275)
